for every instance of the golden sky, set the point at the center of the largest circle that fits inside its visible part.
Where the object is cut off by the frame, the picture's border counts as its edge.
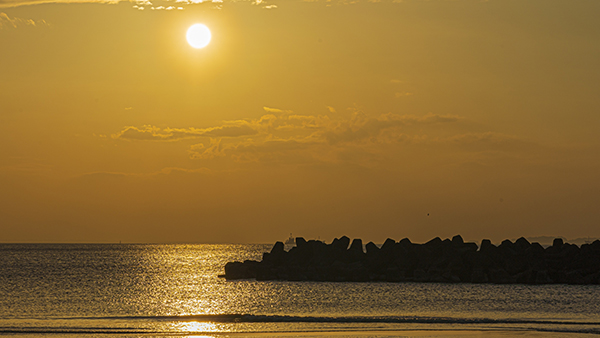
(320, 118)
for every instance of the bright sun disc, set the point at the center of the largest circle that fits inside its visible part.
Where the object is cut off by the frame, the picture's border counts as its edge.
(198, 35)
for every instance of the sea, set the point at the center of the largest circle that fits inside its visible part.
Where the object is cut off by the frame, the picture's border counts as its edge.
(146, 290)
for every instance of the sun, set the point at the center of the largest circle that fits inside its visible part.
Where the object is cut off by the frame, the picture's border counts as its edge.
(198, 36)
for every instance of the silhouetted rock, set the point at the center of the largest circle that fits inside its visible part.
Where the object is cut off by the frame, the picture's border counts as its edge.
(436, 242)
(457, 240)
(521, 244)
(278, 248)
(438, 261)
(487, 246)
(300, 242)
(356, 247)
(355, 251)
(500, 276)
(388, 245)
(371, 248)
(479, 276)
(238, 270)
(557, 243)
(542, 277)
(506, 244)
(341, 244)
(405, 242)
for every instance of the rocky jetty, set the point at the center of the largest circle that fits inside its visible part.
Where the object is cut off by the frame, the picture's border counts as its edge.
(441, 261)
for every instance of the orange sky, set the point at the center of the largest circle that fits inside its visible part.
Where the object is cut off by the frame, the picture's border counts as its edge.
(320, 118)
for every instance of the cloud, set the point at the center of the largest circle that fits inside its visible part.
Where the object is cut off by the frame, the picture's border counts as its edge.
(199, 151)
(353, 132)
(161, 8)
(301, 123)
(8, 22)
(163, 172)
(490, 141)
(16, 3)
(273, 135)
(276, 110)
(360, 138)
(146, 133)
(361, 128)
(273, 149)
(281, 134)
(152, 133)
(169, 4)
(229, 131)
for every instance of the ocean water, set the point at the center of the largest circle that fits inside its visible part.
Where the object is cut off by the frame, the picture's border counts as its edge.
(101, 290)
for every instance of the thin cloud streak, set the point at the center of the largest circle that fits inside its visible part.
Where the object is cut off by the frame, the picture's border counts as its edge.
(6, 22)
(138, 4)
(153, 133)
(163, 172)
(17, 3)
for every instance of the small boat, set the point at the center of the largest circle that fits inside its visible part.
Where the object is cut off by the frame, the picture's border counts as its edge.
(290, 241)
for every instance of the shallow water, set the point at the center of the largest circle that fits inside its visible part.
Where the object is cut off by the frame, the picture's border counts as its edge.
(132, 290)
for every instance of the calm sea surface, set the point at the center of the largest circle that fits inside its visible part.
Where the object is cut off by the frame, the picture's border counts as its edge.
(174, 290)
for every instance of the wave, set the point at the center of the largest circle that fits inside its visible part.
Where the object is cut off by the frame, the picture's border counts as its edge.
(249, 318)
(444, 323)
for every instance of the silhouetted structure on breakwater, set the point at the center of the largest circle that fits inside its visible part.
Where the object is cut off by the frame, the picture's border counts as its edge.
(446, 261)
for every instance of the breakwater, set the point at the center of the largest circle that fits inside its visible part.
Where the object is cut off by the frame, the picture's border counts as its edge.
(441, 261)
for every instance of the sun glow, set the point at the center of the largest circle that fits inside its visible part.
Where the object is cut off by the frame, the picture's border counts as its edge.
(198, 36)
(195, 327)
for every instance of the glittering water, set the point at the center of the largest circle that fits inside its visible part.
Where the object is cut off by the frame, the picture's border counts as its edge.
(132, 290)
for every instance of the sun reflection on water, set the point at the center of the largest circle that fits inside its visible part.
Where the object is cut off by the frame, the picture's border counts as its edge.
(195, 327)
(175, 290)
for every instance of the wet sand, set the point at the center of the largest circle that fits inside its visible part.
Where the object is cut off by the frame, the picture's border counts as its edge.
(406, 334)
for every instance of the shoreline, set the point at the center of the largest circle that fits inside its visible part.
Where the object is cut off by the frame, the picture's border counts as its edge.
(491, 333)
